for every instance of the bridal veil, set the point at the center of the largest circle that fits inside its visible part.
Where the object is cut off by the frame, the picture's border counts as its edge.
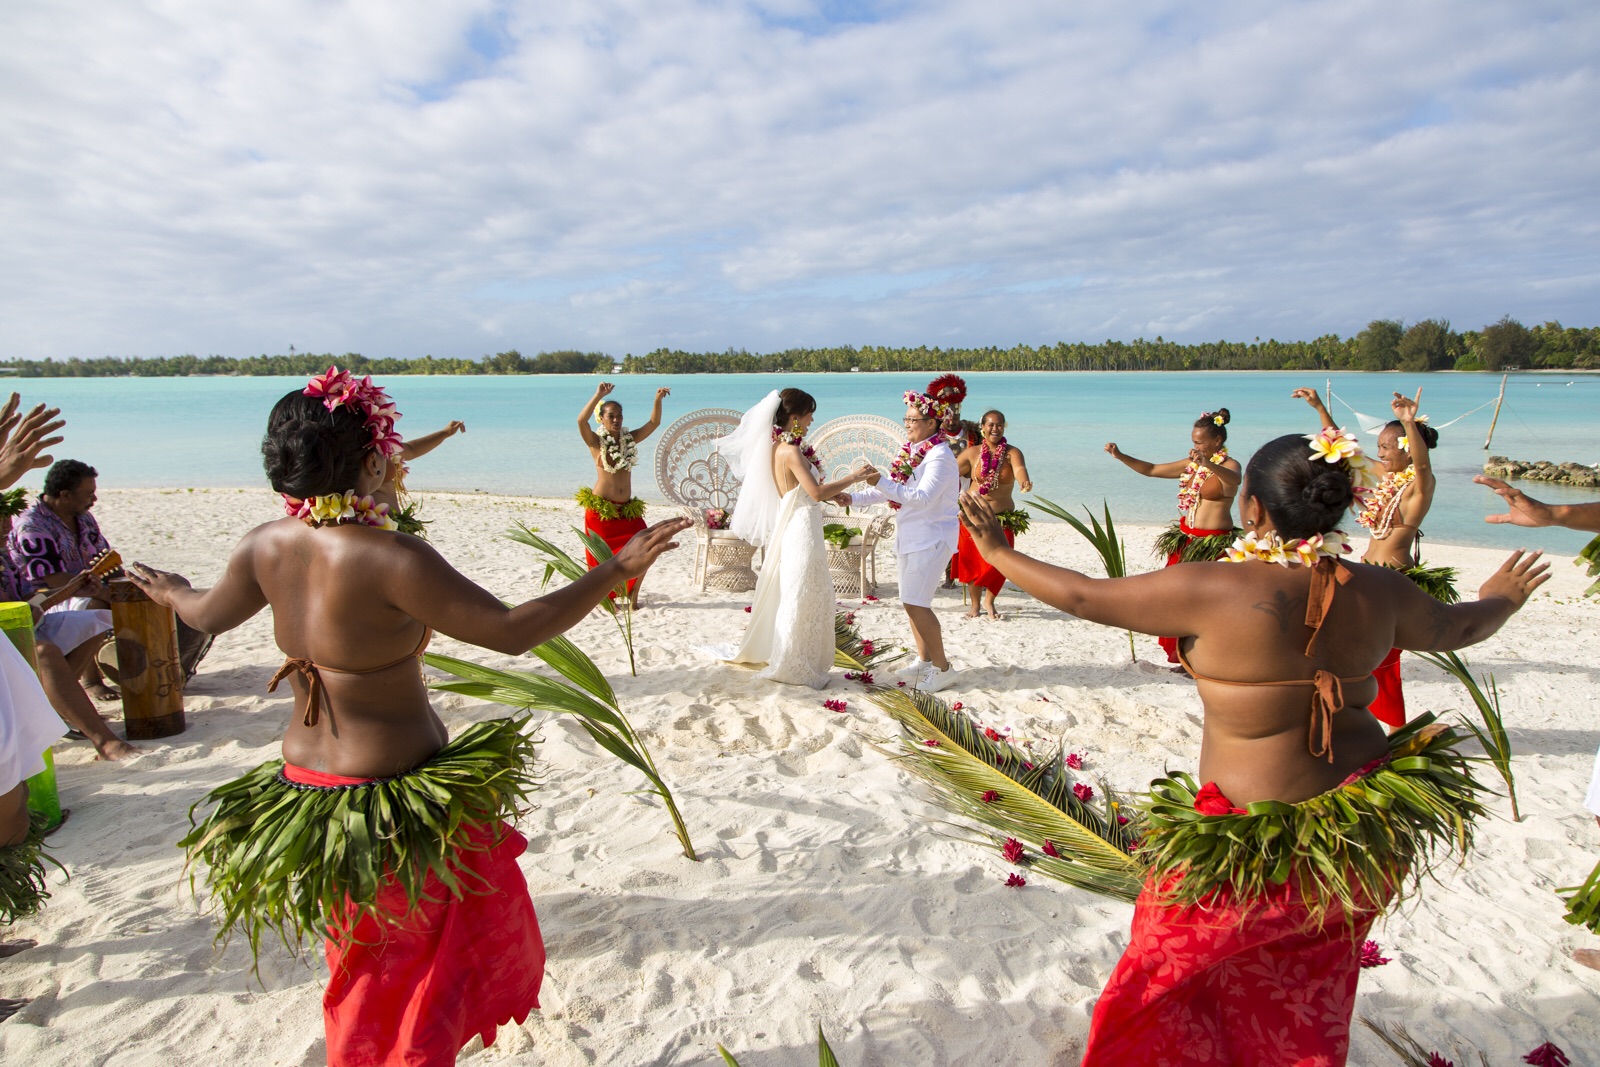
(748, 450)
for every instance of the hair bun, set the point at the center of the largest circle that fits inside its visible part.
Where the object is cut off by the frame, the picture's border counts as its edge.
(1430, 436)
(1328, 491)
(1222, 413)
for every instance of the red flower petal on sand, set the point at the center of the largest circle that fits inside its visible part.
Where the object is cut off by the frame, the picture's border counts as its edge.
(867, 648)
(902, 685)
(1050, 849)
(747, 609)
(1083, 792)
(991, 733)
(932, 742)
(869, 599)
(956, 706)
(1372, 956)
(851, 676)
(1436, 1060)
(1547, 1055)
(866, 678)
(1074, 761)
(1013, 850)
(989, 796)
(1044, 698)
(834, 705)
(1016, 881)
(1212, 801)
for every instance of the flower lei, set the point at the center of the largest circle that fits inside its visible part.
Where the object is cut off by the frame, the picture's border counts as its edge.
(339, 388)
(339, 509)
(1380, 504)
(990, 464)
(910, 459)
(798, 437)
(618, 454)
(1268, 547)
(1193, 477)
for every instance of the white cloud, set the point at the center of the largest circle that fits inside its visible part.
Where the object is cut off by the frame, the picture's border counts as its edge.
(623, 175)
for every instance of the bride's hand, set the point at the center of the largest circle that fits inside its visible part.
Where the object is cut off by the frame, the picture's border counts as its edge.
(864, 473)
(978, 516)
(843, 500)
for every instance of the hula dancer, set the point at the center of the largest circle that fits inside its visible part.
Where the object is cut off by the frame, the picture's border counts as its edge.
(1392, 513)
(389, 840)
(1583, 902)
(1207, 482)
(1310, 822)
(610, 509)
(995, 468)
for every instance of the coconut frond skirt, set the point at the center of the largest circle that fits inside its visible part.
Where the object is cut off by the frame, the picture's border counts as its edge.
(431, 938)
(1246, 941)
(22, 874)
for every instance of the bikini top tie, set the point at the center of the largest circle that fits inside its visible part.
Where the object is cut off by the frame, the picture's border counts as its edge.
(1327, 688)
(312, 673)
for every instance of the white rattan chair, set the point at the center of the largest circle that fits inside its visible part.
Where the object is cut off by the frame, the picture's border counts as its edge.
(843, 444)
(693, 475)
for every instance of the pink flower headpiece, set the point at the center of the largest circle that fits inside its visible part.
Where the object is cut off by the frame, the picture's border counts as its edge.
(930, 408)
(339, 388)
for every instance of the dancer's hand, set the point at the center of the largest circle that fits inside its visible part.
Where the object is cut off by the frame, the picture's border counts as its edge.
(1310, 396)
(1525, 511)
(23, 439)
(977, 515)
(1113, 450)
(456, 426)
(1200, 456)
(1517, 578)
(604, 389)
(159, 586)
(638, 554)
(662, 394)
(1404, 407)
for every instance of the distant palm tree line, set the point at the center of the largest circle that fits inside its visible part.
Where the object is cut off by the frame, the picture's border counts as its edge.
(1385, 344)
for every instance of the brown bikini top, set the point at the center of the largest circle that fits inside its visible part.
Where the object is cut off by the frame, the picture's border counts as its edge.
(1327, 688)
(313, 677)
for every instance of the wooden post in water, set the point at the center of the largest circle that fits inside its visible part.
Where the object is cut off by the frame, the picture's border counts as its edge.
(1501, 399)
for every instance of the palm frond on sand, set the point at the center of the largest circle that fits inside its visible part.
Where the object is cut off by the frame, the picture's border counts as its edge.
(1029, 798)
(584, 693)
(557, 561)
(1492, 734)
(1590, 554)
(825, 1056)
(1583, 902)
(1403, 1045)
(1113, 553)
(850, 649)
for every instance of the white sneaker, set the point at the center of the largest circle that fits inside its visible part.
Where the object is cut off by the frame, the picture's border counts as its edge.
(916, 670)
(935, 679)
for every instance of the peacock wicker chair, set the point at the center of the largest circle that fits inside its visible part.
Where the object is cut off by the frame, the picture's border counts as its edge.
(692, 474)
(843, 444)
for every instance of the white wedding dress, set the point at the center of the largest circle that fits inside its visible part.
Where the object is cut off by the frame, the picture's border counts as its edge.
(790, 635)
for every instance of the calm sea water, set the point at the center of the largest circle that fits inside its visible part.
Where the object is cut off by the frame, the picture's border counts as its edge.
(522, 439)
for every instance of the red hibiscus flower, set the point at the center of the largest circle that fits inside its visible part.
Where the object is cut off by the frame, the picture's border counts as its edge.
(1083, 792)
(991, 733)
(902, 685)
(866, 678)
(989, 796)
(1547, 1055)
(1050, 849)
(1371, 955)
(834, 705)
(1012, 850)
(1212, 801)
(1015, 880)
(1074, 761)
(1436, 1060)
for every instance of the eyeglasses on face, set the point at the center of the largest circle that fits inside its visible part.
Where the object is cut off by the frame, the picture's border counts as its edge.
(910, 421)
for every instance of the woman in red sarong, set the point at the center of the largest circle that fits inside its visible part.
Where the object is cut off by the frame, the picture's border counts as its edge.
(436, 940)
(610, 509)
(1207, 482)
(996, 469)
(1232, 963)
(1393, 514)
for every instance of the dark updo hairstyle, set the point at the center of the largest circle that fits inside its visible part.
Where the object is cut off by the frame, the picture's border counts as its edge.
(792, 403)
(1208, 422)
(1302, 496)
(311, 451)
(608, 404)
(1430, 436)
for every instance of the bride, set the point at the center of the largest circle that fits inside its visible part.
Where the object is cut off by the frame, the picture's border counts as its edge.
(780, 508)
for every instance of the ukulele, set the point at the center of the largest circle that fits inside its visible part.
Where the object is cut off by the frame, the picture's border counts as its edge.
(107, 563)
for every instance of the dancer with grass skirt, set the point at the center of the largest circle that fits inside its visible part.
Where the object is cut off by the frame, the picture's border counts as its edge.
(1583, 902)
(1306, 823)
(996, 469)
(376, 831)
(610, 510)
(1207, 482)
(1393, 512)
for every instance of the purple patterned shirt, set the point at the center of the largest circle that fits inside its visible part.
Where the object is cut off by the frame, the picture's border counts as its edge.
(41, 544)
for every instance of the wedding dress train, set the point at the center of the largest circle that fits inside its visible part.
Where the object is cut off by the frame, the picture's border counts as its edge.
(791, 622)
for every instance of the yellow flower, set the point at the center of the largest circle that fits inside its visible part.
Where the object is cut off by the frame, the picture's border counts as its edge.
(331, 508)
(1332, 445)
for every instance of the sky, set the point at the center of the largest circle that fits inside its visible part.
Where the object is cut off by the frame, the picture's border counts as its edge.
(461, 177)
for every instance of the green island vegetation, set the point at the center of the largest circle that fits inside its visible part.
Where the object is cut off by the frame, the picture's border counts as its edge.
(1385, 344)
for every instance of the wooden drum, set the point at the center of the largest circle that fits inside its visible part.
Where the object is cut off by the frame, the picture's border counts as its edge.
(147, 659)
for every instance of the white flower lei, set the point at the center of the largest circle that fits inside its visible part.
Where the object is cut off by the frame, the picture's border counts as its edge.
(1268, 547)
(618, 454)
(1378, 513)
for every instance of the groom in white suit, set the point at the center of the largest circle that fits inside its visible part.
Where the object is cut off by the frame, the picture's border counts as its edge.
(924, 484)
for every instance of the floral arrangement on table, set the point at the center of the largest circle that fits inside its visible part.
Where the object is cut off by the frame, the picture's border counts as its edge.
(839, 535)
(718, 518)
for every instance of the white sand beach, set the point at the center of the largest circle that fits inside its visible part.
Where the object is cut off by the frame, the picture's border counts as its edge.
(829, 888)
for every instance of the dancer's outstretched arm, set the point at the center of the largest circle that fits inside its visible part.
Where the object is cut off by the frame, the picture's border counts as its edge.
(1523, 510)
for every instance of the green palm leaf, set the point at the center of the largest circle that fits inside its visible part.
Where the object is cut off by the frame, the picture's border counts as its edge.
(557, 561)
(1492, 734)
(1031, 805)
(585, 695)
(825, 1056)
(1113, 553)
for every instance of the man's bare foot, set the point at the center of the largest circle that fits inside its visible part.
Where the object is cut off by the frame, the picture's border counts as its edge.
(1589, 957)
(8, 1008)
(114, 748)
(103, 692)
(11, 948)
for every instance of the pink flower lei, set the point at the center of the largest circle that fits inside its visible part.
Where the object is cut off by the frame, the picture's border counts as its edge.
(339, 388)
(990, 466)
(797, 437)
(910, 459)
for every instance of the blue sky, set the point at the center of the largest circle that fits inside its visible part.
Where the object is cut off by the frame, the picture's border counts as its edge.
(399, 177)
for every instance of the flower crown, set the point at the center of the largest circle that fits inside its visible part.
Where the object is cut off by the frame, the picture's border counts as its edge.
(339, 388)
(930, 408)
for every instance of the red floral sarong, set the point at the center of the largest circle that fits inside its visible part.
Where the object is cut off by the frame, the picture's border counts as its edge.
(972, 568)
(411, 992)
(614, 532)
(1231, 983)
(1170, 644)
(1390, 705)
